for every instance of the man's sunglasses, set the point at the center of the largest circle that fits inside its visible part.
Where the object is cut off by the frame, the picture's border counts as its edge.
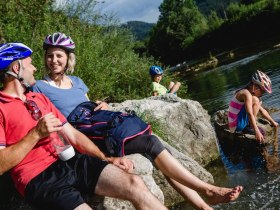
(33, 109)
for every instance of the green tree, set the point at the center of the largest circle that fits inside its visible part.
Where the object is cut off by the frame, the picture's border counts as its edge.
(25, 21)
(180, 22)
(214, 21)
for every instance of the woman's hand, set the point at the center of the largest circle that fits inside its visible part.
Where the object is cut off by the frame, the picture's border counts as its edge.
(101, 105)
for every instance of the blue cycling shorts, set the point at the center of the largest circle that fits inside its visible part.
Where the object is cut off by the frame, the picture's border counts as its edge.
(242, 120)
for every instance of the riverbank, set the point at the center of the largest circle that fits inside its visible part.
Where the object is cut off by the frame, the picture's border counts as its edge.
(224, 58)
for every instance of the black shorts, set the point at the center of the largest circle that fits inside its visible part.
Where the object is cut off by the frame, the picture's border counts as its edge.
(65, 185)
(147, 145)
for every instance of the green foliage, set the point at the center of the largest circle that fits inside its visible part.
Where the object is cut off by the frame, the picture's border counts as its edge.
(109, 67)
(181, 19)
(105, 57)
(158, 125)
(218, 6)
(183, 33)
(179, 23)
(237, 11)
(25, 21)
(214, 21)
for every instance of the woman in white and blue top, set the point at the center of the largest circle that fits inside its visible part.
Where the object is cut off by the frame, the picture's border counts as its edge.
(66, 92)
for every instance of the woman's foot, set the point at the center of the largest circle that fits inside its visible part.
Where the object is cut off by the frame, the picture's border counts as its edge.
(218, 195)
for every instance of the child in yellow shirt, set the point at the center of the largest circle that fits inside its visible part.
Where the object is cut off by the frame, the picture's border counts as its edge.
(158, 89)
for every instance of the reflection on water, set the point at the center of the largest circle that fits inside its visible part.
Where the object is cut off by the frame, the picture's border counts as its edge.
(214, 89)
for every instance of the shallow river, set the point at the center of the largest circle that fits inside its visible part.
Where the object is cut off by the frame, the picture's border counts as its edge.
(213, 89)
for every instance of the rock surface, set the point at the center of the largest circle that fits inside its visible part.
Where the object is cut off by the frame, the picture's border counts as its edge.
(186, 125)
(240, 147)
(223, 133)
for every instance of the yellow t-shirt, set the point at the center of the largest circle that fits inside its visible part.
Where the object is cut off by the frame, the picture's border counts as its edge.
(160, 89)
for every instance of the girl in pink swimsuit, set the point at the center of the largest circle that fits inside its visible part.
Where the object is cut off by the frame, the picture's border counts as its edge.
(246, 104)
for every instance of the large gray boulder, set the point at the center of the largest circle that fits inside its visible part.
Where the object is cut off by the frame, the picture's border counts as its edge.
(243, 146)
(185, 124)
(186, 130)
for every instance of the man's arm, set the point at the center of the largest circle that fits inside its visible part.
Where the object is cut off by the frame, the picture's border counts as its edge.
(12, 155)
(84, 145)
(81, 142)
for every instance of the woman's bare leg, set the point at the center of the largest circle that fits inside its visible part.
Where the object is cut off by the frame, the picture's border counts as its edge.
(173, 169)
(83, 206)
(116, 183)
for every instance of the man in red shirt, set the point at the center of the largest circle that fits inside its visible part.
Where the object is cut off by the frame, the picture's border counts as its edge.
(28, 124)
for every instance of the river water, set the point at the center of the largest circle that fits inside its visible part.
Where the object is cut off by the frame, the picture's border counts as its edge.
(213, 89)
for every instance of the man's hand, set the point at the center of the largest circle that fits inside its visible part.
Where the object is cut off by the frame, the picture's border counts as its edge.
(101, 106)
(48, 124)
(122, 162)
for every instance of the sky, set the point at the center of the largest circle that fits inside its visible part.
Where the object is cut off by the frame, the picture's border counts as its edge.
(128, 10)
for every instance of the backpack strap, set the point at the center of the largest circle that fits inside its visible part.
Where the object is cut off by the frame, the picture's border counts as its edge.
(109, 145)
(82, 111)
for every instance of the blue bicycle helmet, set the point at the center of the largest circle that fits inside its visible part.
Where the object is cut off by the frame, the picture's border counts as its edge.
(154, 70)
(10, 52)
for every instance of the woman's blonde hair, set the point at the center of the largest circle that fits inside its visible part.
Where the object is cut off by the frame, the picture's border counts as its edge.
(71, 62)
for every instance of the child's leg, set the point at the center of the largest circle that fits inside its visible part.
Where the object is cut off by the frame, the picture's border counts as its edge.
(171, 84)
(175, 87)
(256, 103)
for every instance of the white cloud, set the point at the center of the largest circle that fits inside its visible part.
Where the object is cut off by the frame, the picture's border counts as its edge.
(127, 10)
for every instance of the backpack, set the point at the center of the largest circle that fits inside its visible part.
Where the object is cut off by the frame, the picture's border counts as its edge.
(109, 130)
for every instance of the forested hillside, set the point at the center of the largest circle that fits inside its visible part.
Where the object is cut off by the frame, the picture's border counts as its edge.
(183, 32)
(139, 29)
(220, 6)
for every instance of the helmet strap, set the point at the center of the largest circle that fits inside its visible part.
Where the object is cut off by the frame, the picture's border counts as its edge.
(11, 73)
(18, 76)
(253, 89)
